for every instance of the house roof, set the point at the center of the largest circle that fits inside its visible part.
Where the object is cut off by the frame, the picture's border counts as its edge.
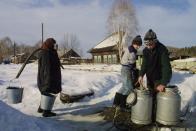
(109, 41)
(105, 49)
(108, 44)
(70, 53)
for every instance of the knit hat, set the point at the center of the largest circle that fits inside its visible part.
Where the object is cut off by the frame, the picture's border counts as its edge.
(137, 40)
(150, 35)
(48, 44)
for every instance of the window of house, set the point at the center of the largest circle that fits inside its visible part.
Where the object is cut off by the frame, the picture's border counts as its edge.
(109, 59)
(105, 59)
(95, 59)
(99, 59)
(114, 59)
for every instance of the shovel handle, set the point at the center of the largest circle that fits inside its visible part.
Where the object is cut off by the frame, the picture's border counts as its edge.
(24, 64)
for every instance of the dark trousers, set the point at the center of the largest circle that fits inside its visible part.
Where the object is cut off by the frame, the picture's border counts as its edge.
(151, 86)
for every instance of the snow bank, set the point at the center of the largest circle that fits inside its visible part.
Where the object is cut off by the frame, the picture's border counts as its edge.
(186, 83)
(13, 120)
(186, 60)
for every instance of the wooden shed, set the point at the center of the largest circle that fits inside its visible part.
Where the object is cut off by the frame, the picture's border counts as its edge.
(21, 58)
(70, 53)
(70, 57)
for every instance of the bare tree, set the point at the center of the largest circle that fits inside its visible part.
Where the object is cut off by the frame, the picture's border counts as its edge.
(65, 42)
(37, 45)
(122, 20)
(71, 41)
(6, 47)
(9, 48)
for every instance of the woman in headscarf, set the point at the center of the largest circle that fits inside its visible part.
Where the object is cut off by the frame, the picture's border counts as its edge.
(49, 72)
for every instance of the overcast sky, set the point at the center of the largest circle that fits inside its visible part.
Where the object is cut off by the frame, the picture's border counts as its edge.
(172, 20)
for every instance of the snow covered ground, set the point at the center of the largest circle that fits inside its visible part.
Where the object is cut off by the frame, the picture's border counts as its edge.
(186, 60)
(104, 80)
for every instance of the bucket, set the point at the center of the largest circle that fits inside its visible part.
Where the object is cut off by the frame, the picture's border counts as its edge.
(47, 101)
(14, 94)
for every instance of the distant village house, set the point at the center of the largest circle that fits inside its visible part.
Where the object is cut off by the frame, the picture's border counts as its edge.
(21, 58)
(70, 56)
(106, 51)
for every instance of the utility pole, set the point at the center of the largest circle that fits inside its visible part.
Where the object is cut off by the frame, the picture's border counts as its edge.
(14, 52)
(42, 33)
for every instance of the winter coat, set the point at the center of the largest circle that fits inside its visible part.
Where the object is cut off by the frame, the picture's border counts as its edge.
(49, 72)
(128, 62)
(156, 65)
(129, 57)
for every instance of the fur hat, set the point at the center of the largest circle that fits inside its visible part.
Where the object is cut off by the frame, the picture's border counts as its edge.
(150, 35)
(137, 40)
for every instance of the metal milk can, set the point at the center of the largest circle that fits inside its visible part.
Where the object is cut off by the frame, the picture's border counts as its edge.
(141, 112)
(168, 106)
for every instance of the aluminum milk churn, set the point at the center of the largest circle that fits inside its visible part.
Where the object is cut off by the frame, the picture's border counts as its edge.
(168, 106)
(141, 112)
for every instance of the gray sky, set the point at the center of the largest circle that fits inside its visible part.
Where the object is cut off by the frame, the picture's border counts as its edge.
(21, 20)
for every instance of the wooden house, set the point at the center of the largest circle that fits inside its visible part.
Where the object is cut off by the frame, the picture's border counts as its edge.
(70, 53)
(106, 51)
(21, 58)
(70, 57)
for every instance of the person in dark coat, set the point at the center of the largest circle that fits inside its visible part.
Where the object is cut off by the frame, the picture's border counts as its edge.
(156, 65)
(49, 72)
(128, 73)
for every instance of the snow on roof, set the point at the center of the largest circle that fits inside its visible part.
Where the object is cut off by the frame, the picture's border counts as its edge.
(186, 60)
(20, 54)
(110, 41)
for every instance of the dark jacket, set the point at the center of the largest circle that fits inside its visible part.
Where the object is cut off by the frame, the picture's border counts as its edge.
(133, 50)
(49, 72)
(156, 65)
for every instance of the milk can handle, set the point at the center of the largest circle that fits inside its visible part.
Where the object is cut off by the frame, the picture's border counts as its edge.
(178, 92)
(143, 87)
(172, 92)
(15, 80)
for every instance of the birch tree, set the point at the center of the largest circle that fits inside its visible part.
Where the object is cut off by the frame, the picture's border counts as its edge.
(122, 20)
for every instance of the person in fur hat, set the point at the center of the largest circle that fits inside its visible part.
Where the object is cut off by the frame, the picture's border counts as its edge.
(156, 65)
(128, 73)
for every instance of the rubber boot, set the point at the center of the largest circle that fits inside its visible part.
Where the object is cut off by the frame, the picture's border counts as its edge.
(40, 110)
(47, 113)
(123, 102)
(117, 99)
